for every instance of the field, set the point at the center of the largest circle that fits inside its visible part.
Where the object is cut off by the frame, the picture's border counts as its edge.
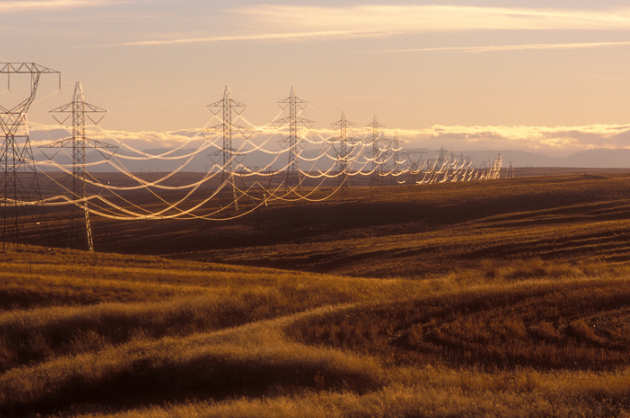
(509, 298)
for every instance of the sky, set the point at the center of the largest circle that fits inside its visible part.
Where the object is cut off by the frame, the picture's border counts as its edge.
(534, 75)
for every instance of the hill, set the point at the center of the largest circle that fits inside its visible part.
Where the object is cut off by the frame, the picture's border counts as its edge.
(418, 232)
(112, 335)
(499, 299)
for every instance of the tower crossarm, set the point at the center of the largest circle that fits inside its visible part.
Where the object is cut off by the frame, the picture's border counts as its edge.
(87, 108)
(25, 68)
(22, 68)
(89, 144)
(302, 121)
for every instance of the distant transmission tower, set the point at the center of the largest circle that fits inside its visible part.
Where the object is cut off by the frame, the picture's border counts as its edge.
(295, 107)
(376, 166)
(79, 112)
(396, 152)
(497, 167)
(414, 162)
(17, 155)
(443, 157)
(228, 108)
(343, 150)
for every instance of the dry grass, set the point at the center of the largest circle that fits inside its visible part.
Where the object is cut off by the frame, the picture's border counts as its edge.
(447, 228)
(431, 391)
(577, 324)
(226, 351)
(510, 300)
(75, 307)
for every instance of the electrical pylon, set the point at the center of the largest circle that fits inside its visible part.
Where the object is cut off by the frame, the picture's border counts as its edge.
(497, 167)
(228, 108)
(396, 152)
(414, 159)
(16, 155)
(443, 156)
(375, 134)
(79, 112)
(295, 106)
(343, 150)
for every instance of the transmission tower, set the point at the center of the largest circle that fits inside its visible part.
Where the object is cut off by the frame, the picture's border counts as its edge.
(295, 107)
(396, 152)
(414, 159)
(343, 150)
(228, 108)
(376, 166)
(79, 112)
(16, 155)
(443, 156)
(497, 167)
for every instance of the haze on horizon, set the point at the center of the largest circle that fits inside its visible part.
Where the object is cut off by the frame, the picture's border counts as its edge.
(531, 75)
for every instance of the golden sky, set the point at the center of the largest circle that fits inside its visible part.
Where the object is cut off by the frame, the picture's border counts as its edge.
(536, 74)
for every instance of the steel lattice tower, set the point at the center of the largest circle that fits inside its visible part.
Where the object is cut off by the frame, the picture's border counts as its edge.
(414, 159)
(79, 112)
(443, 155)
(497, 167)
(343, 151)
(228, 108)
(396, 153)
(295, 107)
(16, 155)
(375, 135)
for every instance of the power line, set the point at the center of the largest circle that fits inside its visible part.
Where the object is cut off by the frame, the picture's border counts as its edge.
(368, 155)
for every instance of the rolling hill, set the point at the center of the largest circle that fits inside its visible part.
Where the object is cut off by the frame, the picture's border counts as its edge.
(496, 299)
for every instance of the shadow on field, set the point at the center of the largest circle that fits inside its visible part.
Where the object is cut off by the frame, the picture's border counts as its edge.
(162, 380)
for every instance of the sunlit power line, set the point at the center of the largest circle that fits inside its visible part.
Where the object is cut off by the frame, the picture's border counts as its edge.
(300, 162)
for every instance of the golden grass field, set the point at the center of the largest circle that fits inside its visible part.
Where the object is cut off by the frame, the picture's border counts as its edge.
(503, 299)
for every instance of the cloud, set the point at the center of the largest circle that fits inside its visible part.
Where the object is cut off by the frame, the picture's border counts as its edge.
(431, 18)
(556, 139)
(15, 6)
(298, 22)
(42, 134)
(514, 47)
(551, 139)
(286, 36)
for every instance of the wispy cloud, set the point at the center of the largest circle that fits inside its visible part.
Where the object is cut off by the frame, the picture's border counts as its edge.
(428, 18)
(297, 22)
(513, 47)
(15, 6)
(286, 36)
